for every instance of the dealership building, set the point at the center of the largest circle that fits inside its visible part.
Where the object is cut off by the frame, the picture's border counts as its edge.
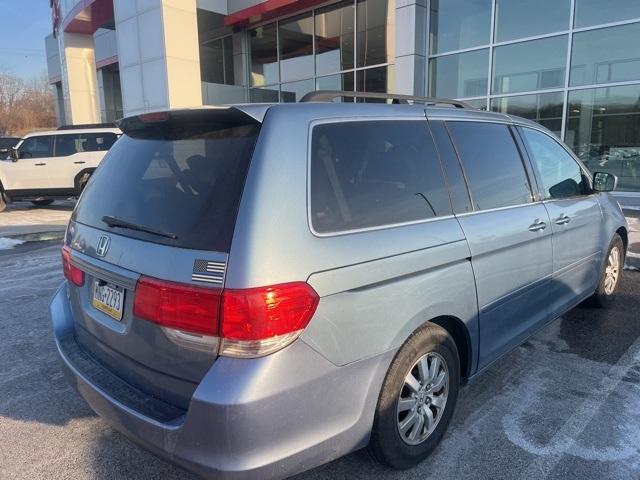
(571, 65)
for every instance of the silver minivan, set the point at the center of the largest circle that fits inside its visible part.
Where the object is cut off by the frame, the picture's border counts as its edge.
(255, 290)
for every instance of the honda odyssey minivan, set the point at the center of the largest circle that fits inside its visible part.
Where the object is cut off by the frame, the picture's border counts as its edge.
(255, 290)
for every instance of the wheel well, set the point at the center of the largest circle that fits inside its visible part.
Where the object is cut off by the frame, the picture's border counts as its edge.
(625, 236)
(460, 334)
(76, 181)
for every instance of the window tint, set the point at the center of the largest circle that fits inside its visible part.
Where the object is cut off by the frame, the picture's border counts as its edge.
(560, 174)
(36, 147)
(455, 180)
(492, 164)
(85, 142)
(368, 174)
(185, 179)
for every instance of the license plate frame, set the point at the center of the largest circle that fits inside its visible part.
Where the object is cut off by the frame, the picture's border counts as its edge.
(108, 298)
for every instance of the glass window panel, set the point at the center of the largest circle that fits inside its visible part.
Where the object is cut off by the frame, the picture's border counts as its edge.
(533, 65)
(560, 174)
(526, 18)
(294, 91)
(458, 24)
(341, 82)
(606, 55)
(36, 147)
(594, 12)
(211, 62)
(492, 164)
(380, 79)
(229, 73)
(263, 51)
(479, 103)
(459, 75)
(367, 174)
(544, 108)
(376, 32)
(296, 48)
(264, 94)
(603, 128)
(334, 39)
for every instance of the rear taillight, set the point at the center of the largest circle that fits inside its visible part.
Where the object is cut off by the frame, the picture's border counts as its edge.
(250, 322)
(175, 305)
(71, 272)
(258, 321)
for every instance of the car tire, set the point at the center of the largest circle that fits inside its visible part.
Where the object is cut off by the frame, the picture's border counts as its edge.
(398, 439)
(610, 275)
(42, 203)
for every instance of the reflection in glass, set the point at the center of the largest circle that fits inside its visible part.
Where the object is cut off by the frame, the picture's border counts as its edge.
(460, 75)
(375, 32)
(294, 91)
(381, 79)
(216, 61)
(341, 82)
(458, 24)
(533, 65)
(544, 108)
(603, 128)
(263, 51)
(526, 18)
(334, 38)
(296, 48)
(595, 12)
(479, 103)
(606, 55)
(264, 94)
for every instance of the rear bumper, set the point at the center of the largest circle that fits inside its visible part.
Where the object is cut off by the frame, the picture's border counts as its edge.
(263, 418)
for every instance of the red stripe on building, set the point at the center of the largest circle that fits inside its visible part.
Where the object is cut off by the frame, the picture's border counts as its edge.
(266, 10)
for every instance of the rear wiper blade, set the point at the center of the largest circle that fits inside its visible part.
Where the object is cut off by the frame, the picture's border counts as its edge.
(116, 222)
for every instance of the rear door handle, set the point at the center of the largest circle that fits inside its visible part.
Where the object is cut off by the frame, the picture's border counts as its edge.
(39, 164)
(537, 225)
(562, 220)
(80, 162)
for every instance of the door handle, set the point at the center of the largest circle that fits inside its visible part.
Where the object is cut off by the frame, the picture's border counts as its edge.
(537, 225)
(39, 164)
(562, 220)
(80, 162)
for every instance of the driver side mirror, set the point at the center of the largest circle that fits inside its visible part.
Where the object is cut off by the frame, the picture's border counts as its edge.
(604, 182)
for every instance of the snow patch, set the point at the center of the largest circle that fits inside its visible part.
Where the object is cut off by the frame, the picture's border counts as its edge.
(8, 243)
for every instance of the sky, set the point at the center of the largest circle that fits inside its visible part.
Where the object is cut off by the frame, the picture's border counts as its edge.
(23, 26)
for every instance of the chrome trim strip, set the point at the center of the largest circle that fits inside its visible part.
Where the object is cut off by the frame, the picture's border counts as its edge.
(105, 271)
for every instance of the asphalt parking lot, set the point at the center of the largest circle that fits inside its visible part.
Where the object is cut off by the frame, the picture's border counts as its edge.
(566, 404)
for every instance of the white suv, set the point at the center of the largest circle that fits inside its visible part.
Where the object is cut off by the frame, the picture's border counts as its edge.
(56, 164)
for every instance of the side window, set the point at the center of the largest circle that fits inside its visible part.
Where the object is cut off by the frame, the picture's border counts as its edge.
(96, 142)
(492, 163)
(560, 174)
(374, 173)
(66, 145)
(36, 147)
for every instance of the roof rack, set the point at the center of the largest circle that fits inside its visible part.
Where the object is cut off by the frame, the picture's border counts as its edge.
(330, 95)
(87, 125)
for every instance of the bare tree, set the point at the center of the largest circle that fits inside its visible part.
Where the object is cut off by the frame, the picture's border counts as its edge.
(25, 105)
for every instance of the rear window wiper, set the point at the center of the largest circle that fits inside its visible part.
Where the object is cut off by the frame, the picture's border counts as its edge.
(116, 222)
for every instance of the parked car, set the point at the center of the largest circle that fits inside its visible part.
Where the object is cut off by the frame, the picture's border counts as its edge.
(249, 303)
(56, 164)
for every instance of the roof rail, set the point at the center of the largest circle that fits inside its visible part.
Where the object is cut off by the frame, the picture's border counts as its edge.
(330, 95)
(87, 125)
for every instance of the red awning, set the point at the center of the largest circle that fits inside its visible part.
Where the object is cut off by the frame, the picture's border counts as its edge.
(266, 10)
(87, 16)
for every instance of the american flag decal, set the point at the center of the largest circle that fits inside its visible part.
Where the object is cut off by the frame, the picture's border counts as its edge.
(208, 271)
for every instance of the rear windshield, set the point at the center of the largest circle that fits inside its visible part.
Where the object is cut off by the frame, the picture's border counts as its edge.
(182, 181)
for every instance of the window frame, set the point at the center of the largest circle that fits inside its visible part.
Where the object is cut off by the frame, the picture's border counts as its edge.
(530, 161)
(524, 159)
(360, 119)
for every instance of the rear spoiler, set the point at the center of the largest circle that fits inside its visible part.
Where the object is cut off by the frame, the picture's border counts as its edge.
(215, 115)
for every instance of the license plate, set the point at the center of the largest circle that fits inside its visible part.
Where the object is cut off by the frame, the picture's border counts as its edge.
(108, 298)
